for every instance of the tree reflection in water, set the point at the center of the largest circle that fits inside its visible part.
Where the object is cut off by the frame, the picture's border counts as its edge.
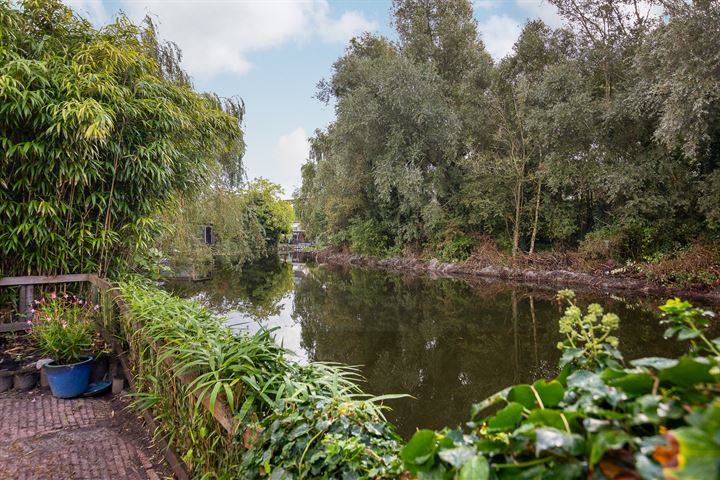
(446, 342)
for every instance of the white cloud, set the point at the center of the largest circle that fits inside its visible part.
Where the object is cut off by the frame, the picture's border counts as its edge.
(217, 36)
(93, 10)
(289, 153)
(541, 9)
(499, 32)
(486, 4)
(347, 26)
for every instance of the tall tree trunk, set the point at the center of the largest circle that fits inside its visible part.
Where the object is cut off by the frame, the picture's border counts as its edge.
(537, 216)
(518, 213)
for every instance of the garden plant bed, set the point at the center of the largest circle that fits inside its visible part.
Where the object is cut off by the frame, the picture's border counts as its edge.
(18, 359)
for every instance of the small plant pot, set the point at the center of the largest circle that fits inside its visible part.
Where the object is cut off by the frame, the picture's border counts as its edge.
(6, 380)
(25, 379)
(68, 381)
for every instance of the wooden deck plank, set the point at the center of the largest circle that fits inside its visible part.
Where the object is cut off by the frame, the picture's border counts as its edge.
(43, 279)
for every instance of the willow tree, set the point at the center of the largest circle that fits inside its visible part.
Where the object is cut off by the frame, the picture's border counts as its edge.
(99, 128)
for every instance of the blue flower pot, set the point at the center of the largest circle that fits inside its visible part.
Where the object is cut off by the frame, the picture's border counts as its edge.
(68, 381)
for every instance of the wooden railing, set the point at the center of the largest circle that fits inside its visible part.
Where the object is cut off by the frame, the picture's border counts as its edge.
(27, 294)
(221, 412)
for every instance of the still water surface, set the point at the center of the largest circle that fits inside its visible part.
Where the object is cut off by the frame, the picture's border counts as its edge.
(447, 342)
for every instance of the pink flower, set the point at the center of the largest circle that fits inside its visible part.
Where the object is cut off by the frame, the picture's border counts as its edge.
(32, 310)
(65, 296)
(53, 296)
(96, 307)
(80, 302)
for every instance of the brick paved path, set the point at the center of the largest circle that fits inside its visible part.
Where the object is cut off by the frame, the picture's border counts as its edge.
(42, 437)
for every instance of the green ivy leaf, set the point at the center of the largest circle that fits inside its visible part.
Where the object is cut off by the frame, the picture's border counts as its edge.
(420, 450)
(506, 419)
(458, 456)
(557, 442)
(658, 363)
(546, 418)
(634, 383)
(699, 455)
(523, 395)
(476, 469)
(551, 393)
(687, 373)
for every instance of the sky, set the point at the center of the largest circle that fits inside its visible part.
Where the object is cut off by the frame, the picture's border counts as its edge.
(272, 53)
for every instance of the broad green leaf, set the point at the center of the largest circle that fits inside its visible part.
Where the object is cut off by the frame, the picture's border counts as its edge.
(421, 448)
(546, 418)
(476, 469)
(523, 395)
(458, 456)
(551, 393)
(569, 355)
(699, 456)
(550, 439)
(634, 383)
(506, 419)
(658, 363)
(687, 373)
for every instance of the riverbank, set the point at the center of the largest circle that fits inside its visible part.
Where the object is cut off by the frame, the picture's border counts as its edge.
(607, 279)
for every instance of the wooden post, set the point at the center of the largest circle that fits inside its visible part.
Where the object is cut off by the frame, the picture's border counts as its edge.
(25, 300)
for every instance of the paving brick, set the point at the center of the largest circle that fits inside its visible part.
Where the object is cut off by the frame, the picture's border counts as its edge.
(42, 437)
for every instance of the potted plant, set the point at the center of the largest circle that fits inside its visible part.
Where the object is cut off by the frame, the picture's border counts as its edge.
(62, 330)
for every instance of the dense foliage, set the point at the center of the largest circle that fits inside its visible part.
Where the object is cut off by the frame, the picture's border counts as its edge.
(293, 421)
(99, 128)
(601, 134)
(248, 222)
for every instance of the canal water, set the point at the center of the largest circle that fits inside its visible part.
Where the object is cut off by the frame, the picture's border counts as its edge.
(446, 342)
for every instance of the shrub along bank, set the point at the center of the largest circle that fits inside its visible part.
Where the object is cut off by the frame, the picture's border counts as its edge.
(600, 418)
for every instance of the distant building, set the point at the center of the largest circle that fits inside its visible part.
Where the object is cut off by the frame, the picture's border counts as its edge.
(298, 234)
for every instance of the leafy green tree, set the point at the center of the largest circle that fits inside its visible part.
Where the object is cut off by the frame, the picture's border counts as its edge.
(601, 133)
(99, 129)
(274, 215)
(247, 224)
